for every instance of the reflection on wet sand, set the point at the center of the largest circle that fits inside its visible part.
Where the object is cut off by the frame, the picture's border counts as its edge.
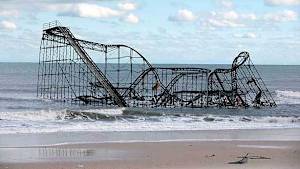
(34, 154)
(64, 153)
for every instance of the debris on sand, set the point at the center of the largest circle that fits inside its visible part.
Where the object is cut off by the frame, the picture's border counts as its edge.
(246, 157)
(258, 158)
(209, 156)
(242, 161)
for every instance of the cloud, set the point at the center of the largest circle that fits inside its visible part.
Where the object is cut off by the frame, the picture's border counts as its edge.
(227, 3)
(283, 16)
(13, 13)
(282, 2)
(249, 16)
(85, 10)
(131, 18)
(231, 15)
(225, 19)
(8, 25)
(95, 11)
(249, 35)
(183, 15)
(223, 23)
(127, 6)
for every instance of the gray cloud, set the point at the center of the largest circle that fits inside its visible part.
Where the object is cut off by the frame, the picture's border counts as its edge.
(282, 2)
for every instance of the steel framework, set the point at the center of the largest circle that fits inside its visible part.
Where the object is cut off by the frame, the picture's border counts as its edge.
(124, 78)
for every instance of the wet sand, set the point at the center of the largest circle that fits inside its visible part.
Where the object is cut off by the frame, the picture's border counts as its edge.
(143, 150)
(54, 138)
(142, 155)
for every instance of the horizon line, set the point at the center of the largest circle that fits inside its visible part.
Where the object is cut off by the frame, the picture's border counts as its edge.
(177, 63)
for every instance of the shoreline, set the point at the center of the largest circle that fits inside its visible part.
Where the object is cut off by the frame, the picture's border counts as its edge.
(86, 137)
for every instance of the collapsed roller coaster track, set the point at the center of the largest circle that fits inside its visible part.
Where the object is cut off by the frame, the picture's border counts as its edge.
(123, 77)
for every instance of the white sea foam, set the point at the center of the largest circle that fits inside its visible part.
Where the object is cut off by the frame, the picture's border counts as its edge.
(112, 111)
(263, 146)
(55, 121)
(287, 97)
(46, 115)
(43, 115)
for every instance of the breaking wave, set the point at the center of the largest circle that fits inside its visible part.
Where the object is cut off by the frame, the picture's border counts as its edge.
(121, 120)
(55, 115)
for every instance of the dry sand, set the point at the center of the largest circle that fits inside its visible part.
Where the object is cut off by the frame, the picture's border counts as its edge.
(159, 155)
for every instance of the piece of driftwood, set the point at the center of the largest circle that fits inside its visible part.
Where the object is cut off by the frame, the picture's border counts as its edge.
(242, 161)
(257, 157)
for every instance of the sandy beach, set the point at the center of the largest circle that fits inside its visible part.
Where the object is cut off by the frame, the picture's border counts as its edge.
(200, 154)
(277, 152)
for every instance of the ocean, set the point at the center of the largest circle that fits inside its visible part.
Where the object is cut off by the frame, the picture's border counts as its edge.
(21, 111)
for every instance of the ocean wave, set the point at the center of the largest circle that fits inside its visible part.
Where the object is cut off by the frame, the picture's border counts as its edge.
(96, 114)
(123, 114)
(17, 90)
(42, 115)
(63, 114)
(116, 120)
(287, 97)
(19, 99)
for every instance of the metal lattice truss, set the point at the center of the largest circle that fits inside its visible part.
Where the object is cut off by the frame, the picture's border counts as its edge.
(124, 78)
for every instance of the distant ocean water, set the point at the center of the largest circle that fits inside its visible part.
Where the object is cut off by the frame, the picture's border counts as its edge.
(21, 111)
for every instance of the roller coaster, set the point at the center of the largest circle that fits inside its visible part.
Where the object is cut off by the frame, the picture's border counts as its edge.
(84, 72)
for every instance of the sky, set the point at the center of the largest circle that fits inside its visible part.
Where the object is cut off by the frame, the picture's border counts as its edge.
(164, 31)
